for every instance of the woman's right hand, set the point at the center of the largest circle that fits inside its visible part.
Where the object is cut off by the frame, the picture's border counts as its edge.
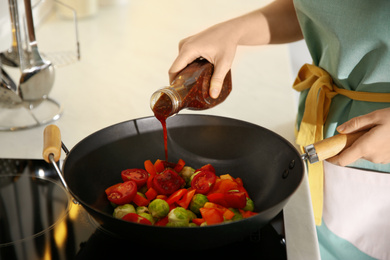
(217, 44)
(274, 23)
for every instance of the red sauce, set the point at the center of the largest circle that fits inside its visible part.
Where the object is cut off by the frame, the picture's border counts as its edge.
(192, 85)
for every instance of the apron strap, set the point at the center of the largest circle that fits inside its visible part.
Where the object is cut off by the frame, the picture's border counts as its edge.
(321, 91)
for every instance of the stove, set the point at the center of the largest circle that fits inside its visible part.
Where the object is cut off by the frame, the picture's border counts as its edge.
(39, 220)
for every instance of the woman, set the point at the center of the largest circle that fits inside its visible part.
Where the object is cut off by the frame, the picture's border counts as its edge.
(347, 87)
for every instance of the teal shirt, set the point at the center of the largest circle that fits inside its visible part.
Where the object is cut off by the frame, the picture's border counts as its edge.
(350, 39)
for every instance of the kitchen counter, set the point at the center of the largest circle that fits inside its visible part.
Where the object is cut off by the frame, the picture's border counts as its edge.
(126, 51)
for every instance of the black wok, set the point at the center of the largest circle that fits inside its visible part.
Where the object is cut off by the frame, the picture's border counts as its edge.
(271, 169)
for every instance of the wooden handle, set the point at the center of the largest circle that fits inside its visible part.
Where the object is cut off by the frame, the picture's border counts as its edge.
(332, 146)
(51, 143)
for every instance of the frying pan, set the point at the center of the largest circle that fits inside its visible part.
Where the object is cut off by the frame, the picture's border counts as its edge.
(270, 167)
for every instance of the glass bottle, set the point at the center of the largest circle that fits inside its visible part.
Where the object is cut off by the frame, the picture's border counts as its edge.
(190, 89)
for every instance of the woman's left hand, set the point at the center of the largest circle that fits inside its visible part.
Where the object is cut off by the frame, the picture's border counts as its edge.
(373, 146)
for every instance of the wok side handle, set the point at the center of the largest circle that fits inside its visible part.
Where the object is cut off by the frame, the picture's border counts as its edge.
(332, 146)
(51, 143)
(52, 149)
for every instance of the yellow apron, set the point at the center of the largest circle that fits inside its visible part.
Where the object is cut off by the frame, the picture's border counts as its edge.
(321, 92)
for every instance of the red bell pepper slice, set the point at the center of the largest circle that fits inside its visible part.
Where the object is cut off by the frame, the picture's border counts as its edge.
(176, 196)
(186, 199)
(109, 189)
(227, 213)
(211, 216)
(247, 214)
(223, 186)
(217, 198)
(135, 218)
(149, 167)
(159, 165)
(231, 199)
(123, 193)
(151, 194)
(198, 221)
(162, 222)
(179, 166)
(235, 199)
(140, 201)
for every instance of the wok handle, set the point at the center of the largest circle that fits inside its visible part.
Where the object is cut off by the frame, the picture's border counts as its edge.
(331, 146)
(51, 143)
(52, 150)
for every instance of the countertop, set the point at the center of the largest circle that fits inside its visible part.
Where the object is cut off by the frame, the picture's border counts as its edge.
(126, 51)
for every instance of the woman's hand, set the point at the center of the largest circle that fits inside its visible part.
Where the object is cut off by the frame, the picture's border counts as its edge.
(373, 146)
(217, 44)
(274, 23)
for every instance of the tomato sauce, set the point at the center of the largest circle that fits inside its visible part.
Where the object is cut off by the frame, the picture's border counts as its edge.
(190, 90)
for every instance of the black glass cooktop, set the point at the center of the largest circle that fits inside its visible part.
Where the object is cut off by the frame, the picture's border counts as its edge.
(39, 220)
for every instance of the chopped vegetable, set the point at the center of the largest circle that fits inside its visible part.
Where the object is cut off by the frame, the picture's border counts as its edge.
(159, 208)
(250, 206)
(179, 217)
(159, 166)
(179, 166)
(140, 200)
(123, 193)
(134, 217)
(149, 167)
(148, 216)
(186, 174)
(186, 199)
(151, 194)
(167, 182)
(227, 213)
(139, 176)
(237, 214)
(203, 181)
(122, 210)
(197, 202)
(141, 209)
(212, 216)
(176, 195)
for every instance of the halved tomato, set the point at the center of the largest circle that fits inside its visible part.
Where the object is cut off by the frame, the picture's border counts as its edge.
(203, 181)
(139, 176)
(123, 193)
(167, 182)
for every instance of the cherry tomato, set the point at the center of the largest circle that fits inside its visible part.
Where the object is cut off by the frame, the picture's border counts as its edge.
(133, 217)
(207, 167)
(167, 182)
(123, 193)
(203, 181)
(139, 176)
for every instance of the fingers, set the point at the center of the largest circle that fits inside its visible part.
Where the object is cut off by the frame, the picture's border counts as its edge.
(180, 63)
(219, 74)
(346, 157)
(359, 123)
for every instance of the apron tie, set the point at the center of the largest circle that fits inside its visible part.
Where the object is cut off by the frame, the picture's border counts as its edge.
(311, 130)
